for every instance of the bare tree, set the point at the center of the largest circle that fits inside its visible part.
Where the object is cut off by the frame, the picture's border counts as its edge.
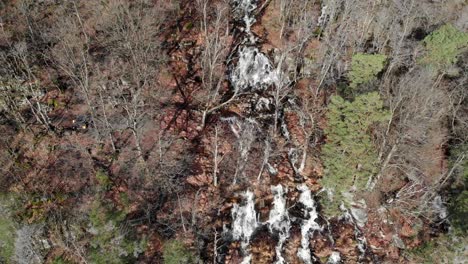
(21, 90)
(136, 29)
(216, 158)
(215, 34)
(71, 55)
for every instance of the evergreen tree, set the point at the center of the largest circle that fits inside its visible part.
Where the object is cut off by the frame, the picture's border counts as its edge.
(349, 155)
(365, 67)
(443, 46)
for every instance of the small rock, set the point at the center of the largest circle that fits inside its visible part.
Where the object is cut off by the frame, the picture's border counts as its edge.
(398, 242)
(334, 258)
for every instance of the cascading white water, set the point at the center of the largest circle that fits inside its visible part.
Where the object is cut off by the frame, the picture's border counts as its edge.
(334, 258)
(247, 259)
(244, 223)
(245, 10)
(253, 71)
(309, 224)
(278, 221)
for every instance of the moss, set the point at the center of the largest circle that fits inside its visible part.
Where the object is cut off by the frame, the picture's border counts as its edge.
(176, 253)
(55, 103)
(7, 230)
(125, 201)
(459, 212)
(443, 47)
(7, 238)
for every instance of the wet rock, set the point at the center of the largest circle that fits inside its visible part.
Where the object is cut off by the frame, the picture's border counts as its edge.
(439, 208)
(334, 258)
(309, 224)
(398, 242)
(278, 222)
(253, 70)
(263, 249)
(359, 215)
(244, 221)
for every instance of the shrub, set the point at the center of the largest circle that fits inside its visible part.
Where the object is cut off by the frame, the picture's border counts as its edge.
(176, 253)
(447, 248)
(349, 155)
(443, 46)
(459, 212)
(103, 179)
(60, 260)
(365, 67)
(110, 243)
(458, 205)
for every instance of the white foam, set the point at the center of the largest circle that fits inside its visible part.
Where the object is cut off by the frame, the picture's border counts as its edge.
(334, 258)
(245, 10)
(278, 221)
(309, 224)
(244, 222)
(253, 71)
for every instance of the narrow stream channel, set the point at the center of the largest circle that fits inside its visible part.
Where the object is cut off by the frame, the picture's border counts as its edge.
(253, 73)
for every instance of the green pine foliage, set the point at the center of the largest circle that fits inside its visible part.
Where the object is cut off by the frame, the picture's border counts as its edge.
(349, 155)
(459, 212)
(443, 46)
(447, 248)
(176, 253)
(365, 67)
(110, 243)
(458, 205)
(103, 179)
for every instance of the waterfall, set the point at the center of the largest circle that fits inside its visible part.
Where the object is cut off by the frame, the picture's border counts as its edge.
(334, 258)
(253, 70)
(309, 223)
(244, 223)
(245, 10)
(278, 221)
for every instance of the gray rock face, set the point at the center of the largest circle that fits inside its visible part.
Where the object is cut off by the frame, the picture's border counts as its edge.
(398, 242)
(334, 258)
(439, 207)
(359, 215)
(27, 248)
